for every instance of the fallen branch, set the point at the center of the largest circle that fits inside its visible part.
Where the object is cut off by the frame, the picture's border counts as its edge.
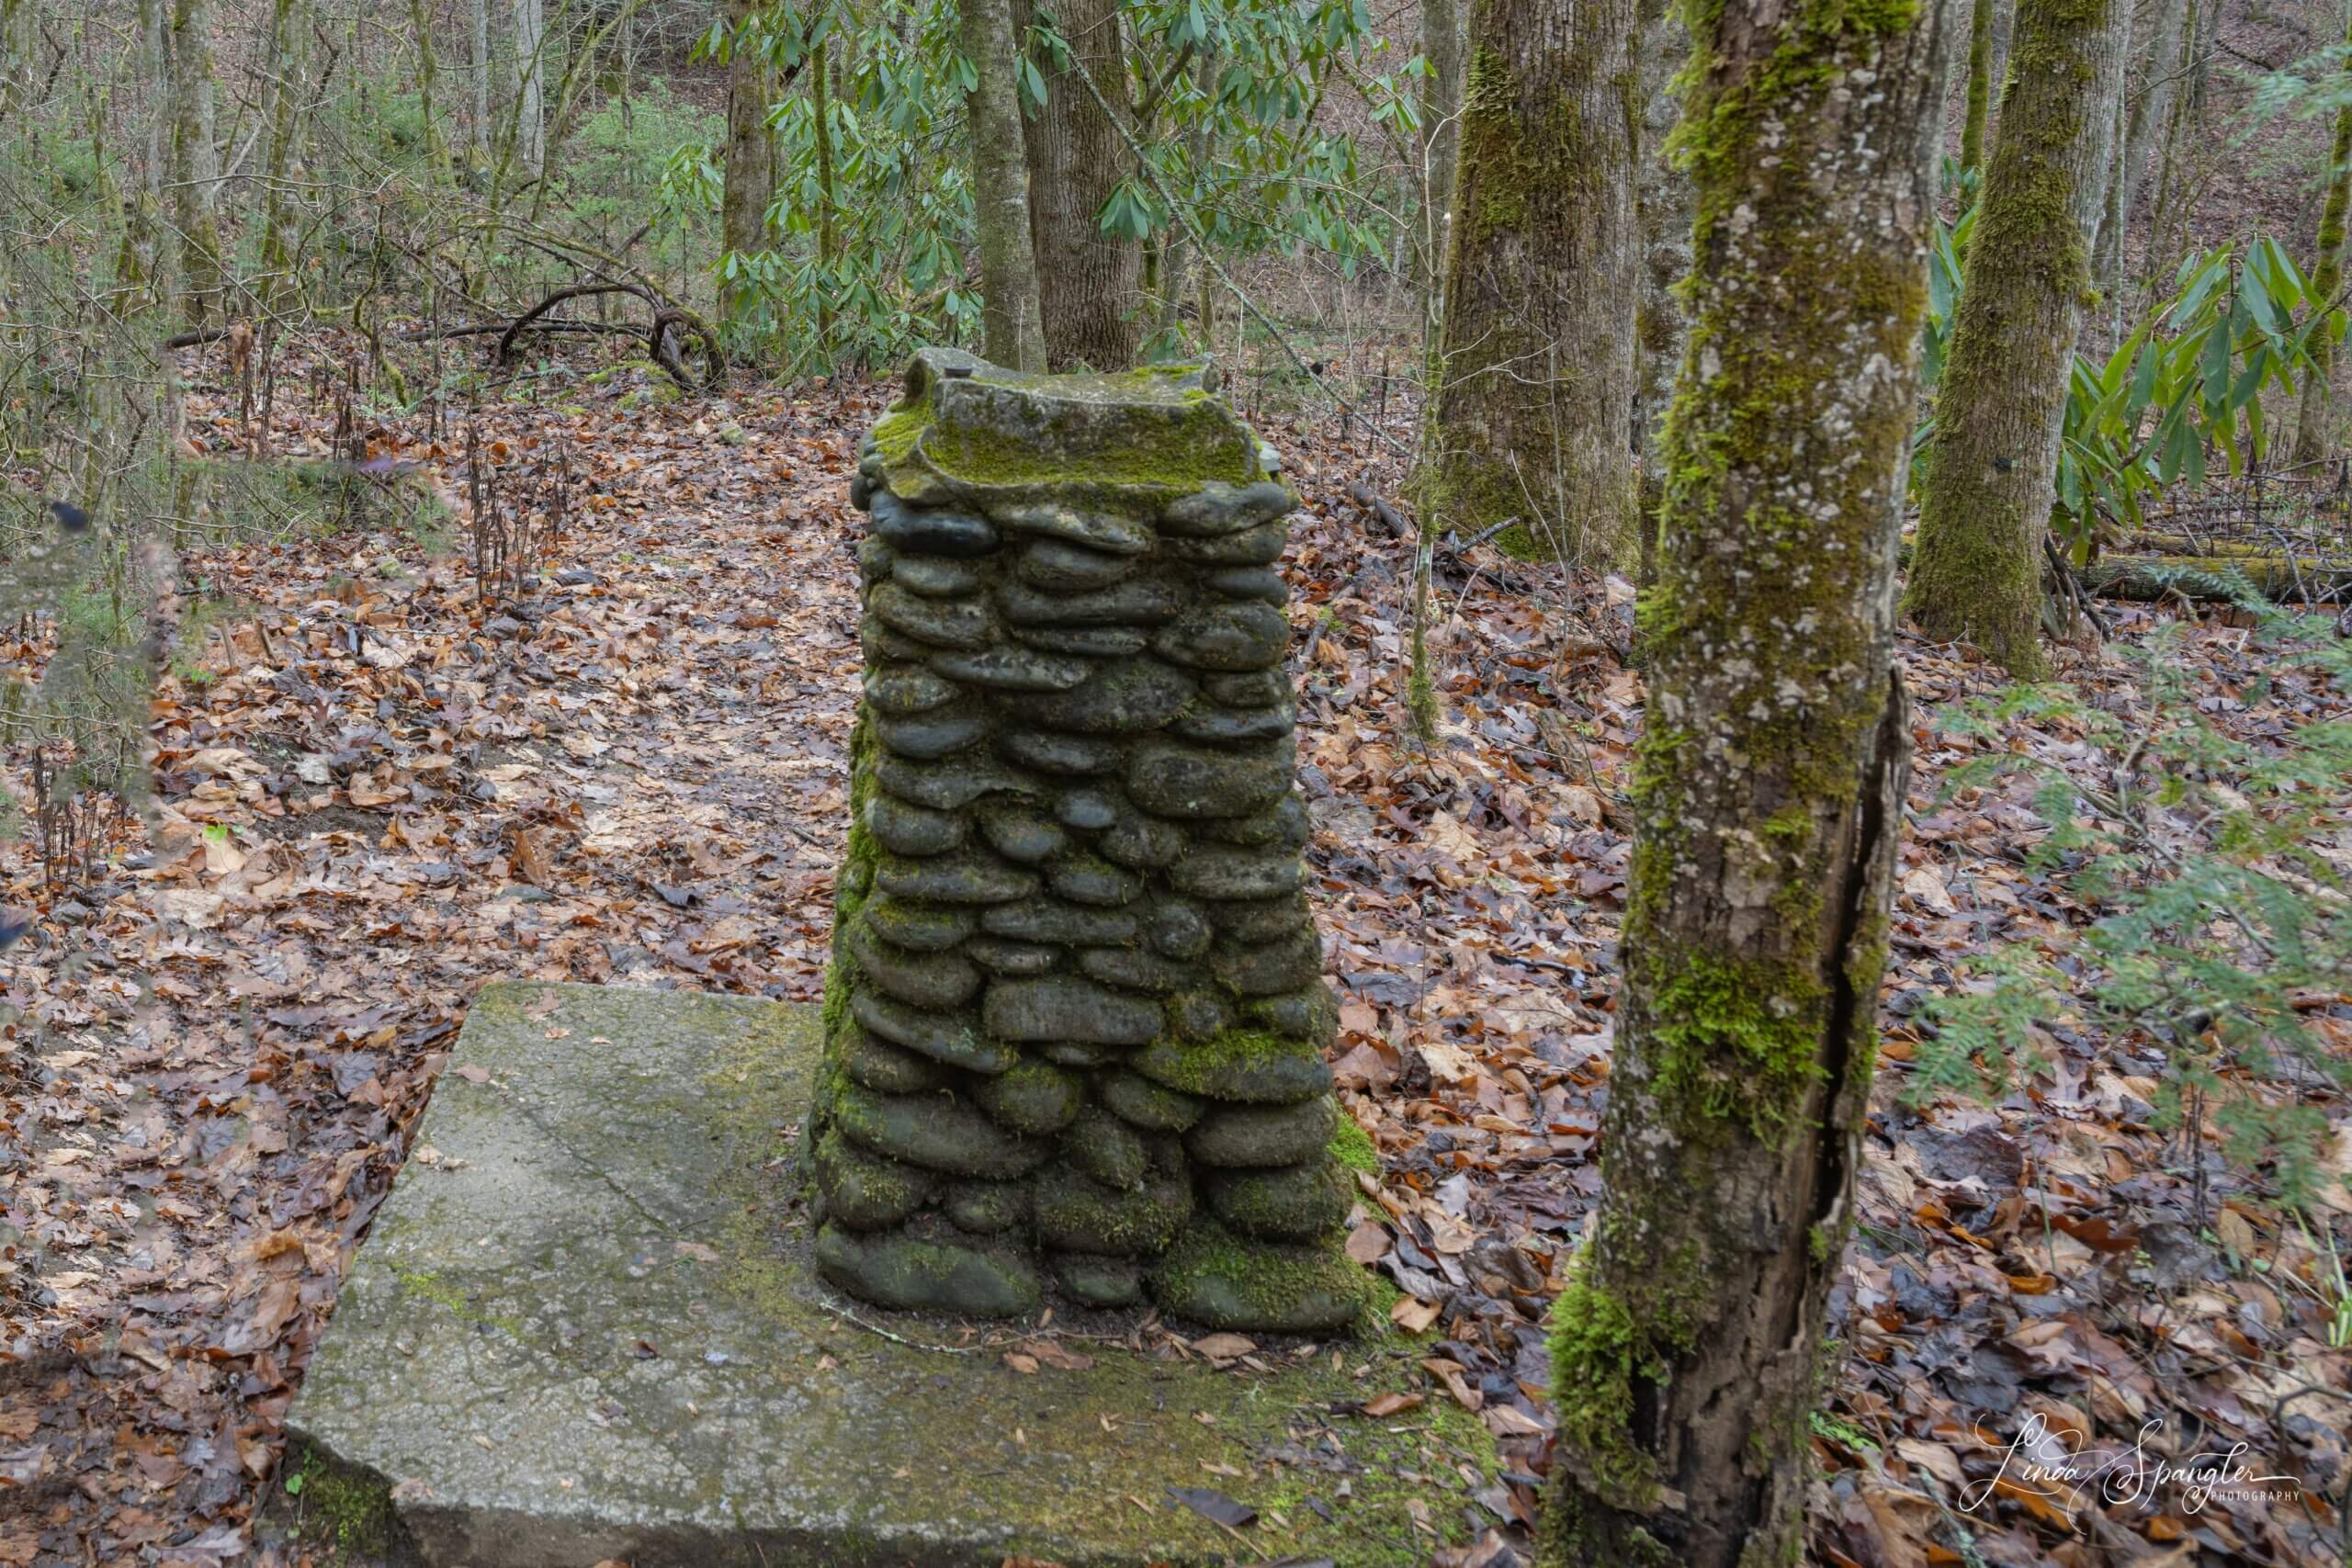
(1365, 497)
(2150, 579)
(666, 341)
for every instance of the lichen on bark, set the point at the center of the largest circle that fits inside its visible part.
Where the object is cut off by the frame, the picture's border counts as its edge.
(1768, 792)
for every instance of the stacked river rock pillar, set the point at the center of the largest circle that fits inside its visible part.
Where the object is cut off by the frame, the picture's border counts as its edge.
(1075, 1018)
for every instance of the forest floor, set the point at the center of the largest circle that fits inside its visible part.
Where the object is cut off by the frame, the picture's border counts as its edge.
(384, 782)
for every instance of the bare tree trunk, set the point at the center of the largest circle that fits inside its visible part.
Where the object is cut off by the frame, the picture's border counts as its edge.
(428, 79)
(820, 88)
(1089, 283)
(2313, 415)
(530, 85)
(1011, 331)
(2148, 112)
(289, 32)
(194, 159)
(481, 19)
(1441, 142)
(749, 166)
(1687, 1348)
(1535, 383)
(1977, 566)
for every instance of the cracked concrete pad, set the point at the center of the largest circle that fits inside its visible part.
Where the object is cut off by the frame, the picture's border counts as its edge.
(584, 1325)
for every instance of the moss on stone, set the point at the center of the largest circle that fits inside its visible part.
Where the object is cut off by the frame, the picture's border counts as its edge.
(338, 1509)
(1238, 1064)
(1215, 1278)
(1353, 1147)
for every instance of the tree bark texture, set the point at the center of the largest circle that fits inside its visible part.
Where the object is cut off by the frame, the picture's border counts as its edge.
(1010, 332)
(530, 84)
(1975, 129)
(750, 165)
(2315, 425)
(2157, 46)
(1993, 463)
(480, 20)
(1441, 136)
(1686, 1350)
(195, 160)
(1090, 285)
(288, 32)
(1535, 380)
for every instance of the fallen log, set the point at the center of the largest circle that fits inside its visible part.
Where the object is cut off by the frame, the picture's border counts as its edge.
(2209, 579)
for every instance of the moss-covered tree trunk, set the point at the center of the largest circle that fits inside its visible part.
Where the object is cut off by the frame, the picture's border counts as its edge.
(2313, 421)
(1535, 374)
(1090, 284)
(1011, 332)
(749, 163)
(1686, 1350)
(1992, 472)
(1978, 123)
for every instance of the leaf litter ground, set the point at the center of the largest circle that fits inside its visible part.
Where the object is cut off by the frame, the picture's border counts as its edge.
(384, 782)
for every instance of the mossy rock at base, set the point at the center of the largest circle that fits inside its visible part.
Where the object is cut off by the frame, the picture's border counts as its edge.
(1298, 1202)
(987, 1207)
(1239, 1065)
(862, 1191)
(914, 1273)
(877, 1065)
(1106, 1149)
(905, 828)
(1155, 1108)
(1263, 1135)
(1274, 964)
(946, 1037)
(1077, 1214)
(959, 876)
(1212, 1278)
(1031, 1096)
(925, 928)
(1120, 699)
(927, 980)
(1310, 1013)
(1100, 1281)
(937, 1130)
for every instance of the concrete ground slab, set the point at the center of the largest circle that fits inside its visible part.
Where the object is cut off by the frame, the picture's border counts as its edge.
(585, 1327)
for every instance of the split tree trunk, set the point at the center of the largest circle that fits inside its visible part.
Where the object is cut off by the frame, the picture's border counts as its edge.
(1993, 466)
(1686, 1350)
(1010, 332)
(1090, 285)
(750, 165)
(1535, 380)
(2313, 415)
